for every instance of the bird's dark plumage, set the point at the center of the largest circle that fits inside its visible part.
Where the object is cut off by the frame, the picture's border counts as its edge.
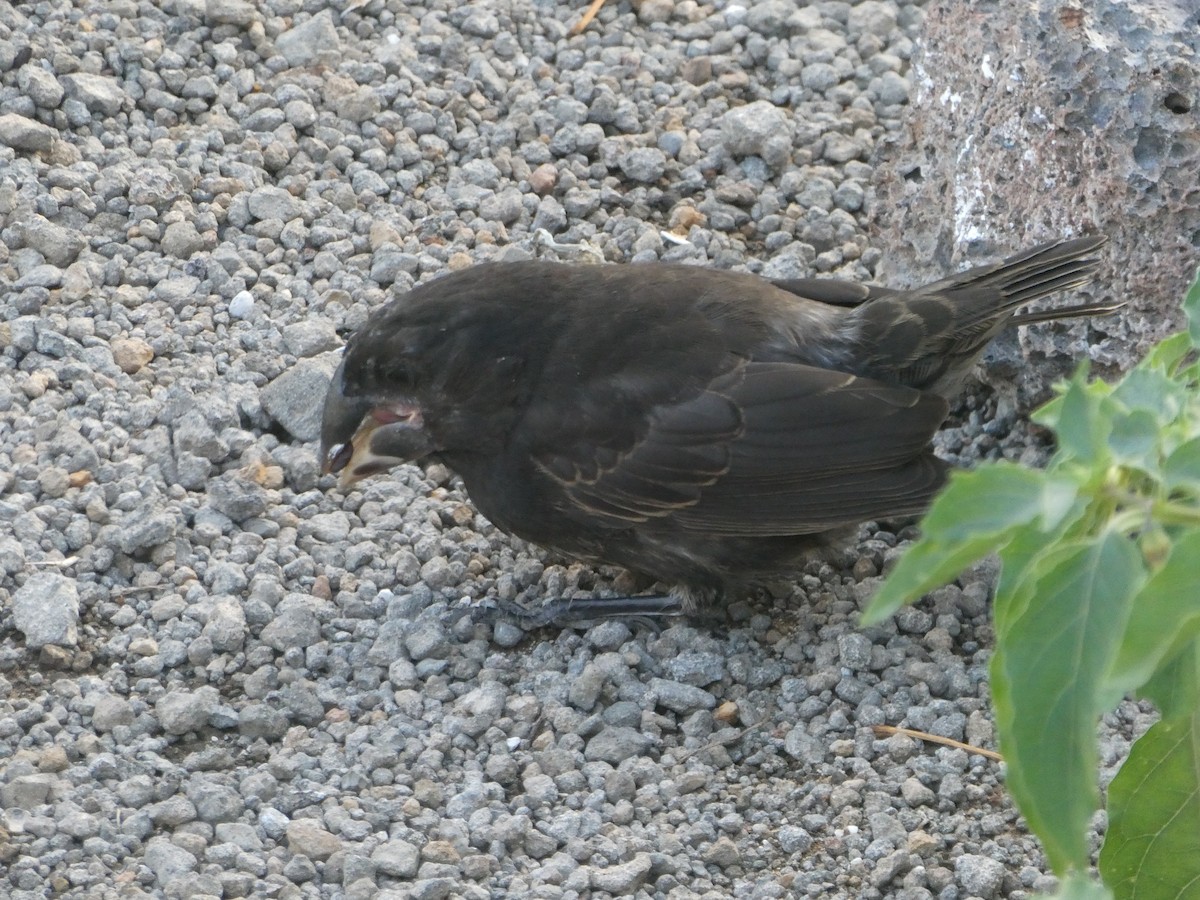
(698, 426)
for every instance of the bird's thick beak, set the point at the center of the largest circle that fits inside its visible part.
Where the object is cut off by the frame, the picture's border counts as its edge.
(387, 436)
(384, 432)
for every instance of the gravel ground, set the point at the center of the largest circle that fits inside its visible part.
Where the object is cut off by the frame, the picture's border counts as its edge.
(220, 677)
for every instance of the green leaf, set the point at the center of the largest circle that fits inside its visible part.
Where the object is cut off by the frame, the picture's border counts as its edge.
(1079, 887)
(975, 515)
(1045, 678)
(1017, 584)
(1168, 352)
(1174, 687)
(1182, 468)
(1153, 391)
(1014, 589)
(1134, 439)
(1191, 306)
(1150, 851)
(1168, 617)
(1077, 420)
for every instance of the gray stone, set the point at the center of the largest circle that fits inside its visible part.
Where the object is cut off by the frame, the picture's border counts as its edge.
(214, 802)
(230, 12)
(181, 240)
(616, 743)
(427, 639)
(294, 627)
(819, 77)
(481, 23)
(144, 530)
(46, 610)
(980, 876)
(388, 263)
(40, 86)
(273, 822)
(760, 128)
(12, 556)
(226, 625)
(311, 41)
(173, 811)
(28, 135)
(111, 711)
(300, 113)
(203, 87)
(261, 720)
(802, 746)
(368, 180)
(723, 853)
(167, 860)
(479, 172)
(622, 879)
(396, 858)
(310, 337)
(193, 433)
(28, 791)
(432, 888)
(236, 497)
(45, 275)
(152, 185)
(794, 839)
(72, 820)
(358, 105)
(695, 667)
(437, 573)
(58, 244)
(307, 837)
(274, 203)
(242, 305)
(99, 93)
(893, 88)
(504, 206)
(680, 698)
(871, 17)
(849, 196)
(136, 791)
(330, 528)
(644, 164)
(854, 650)
(178, 291)
(241, 835)
(296, 397)
(182, 711)
(916, 794)
(840, 148)
(793, 261)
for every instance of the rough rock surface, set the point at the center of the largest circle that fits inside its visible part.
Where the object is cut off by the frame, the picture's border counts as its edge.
(1034, 120)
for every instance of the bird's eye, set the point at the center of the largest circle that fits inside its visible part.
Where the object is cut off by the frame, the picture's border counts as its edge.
(397, 372)
(339, 456)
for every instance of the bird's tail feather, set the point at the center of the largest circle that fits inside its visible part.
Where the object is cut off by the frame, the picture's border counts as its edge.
(988, 292)
(929, 337)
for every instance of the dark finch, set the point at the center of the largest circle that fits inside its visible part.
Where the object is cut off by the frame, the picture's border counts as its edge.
(701, 427)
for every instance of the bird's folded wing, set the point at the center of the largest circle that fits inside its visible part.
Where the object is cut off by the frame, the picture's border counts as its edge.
(768, 448)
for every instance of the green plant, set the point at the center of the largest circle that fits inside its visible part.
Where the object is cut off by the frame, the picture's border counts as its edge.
(1098, 598)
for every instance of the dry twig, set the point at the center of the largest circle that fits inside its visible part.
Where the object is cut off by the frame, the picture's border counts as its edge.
(889, 730)
(587, 18)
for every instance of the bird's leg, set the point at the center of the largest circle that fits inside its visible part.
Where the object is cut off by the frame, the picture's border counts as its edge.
(568, 611)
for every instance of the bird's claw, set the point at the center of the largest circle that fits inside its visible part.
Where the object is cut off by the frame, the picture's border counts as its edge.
(571, 611)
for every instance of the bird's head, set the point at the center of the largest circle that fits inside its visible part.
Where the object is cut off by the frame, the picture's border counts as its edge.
(365, 434)
(442, 370)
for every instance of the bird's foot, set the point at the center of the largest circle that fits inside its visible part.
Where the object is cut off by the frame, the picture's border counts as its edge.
(568, 612)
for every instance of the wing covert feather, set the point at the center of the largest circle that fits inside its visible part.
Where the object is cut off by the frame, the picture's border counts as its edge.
(766, 448)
